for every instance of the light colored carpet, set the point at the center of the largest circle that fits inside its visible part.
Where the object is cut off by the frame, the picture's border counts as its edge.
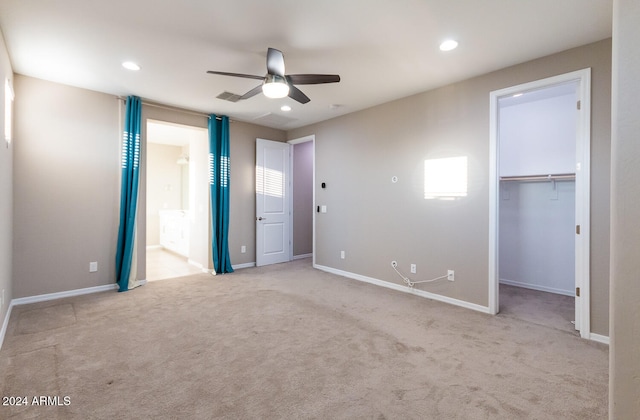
(287, 341)
(542, 308)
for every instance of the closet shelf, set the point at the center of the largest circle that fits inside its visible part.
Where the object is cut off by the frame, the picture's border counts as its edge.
(549, 177)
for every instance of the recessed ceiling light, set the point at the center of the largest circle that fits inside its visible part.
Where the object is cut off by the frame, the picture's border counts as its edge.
(130, 65)
(448, 45)
(285, 108)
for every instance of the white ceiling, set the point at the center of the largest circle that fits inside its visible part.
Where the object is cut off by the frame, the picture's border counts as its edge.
(382, 49)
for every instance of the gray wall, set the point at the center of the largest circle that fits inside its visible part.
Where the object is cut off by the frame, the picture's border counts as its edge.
(66, 187)
(6, 191)
(302, 198)
(376, 221)
(624, 368)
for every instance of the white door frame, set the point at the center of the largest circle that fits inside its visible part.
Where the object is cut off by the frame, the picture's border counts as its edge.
(583, 159)
(311, 138)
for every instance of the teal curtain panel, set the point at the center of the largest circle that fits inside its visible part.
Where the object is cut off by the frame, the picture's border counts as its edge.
(126, 266)
(219, 187)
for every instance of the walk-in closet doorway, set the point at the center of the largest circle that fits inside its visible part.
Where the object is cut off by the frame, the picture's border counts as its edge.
(539, 231)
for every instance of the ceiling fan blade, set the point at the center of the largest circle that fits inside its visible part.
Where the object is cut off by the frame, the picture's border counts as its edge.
(246, 76)
(297, 95)
(253, 92)
(312, 79)
(275, 62)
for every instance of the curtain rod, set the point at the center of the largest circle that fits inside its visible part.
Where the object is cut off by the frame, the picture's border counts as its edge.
(550, 177)
(173, 108)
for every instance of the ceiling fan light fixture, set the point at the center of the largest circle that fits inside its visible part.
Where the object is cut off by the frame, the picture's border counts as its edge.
(275, 86)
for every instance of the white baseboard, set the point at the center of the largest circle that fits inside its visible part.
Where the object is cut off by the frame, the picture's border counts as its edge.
(405, 289)
(198, 265)
(302, 256)
(599, 338)
(5, 324)
(538, 287)
(241, 266)
(68, 293)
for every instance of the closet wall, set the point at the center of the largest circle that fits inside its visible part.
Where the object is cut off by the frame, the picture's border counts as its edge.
(537, 218)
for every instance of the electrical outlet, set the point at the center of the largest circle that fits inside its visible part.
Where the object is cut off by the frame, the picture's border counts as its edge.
(93, 266)
(413, 269)
(243, 249)
(451, 275)
(342, 255)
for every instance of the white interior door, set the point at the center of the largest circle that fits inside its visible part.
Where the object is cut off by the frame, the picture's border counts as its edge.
(273, 211)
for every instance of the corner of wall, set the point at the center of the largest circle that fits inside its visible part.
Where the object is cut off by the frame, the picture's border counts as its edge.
(6, 200)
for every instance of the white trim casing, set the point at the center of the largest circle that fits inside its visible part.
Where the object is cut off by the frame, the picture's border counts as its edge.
(583, 203)
(494, 187)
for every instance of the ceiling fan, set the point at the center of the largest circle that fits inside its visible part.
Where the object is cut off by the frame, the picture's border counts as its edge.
(277, 84)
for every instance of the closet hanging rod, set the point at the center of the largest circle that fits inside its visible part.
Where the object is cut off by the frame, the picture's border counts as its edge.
(550, 177)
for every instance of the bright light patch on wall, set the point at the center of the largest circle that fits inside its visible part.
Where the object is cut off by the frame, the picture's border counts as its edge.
(8, 111)
(446, 178)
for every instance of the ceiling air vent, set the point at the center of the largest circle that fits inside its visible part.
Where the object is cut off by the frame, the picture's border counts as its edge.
(273, 120)
(228, 96)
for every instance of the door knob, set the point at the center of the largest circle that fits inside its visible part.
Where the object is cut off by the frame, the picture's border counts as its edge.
(261, 218)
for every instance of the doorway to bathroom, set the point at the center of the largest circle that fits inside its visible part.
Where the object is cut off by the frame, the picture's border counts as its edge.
(177, 200)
